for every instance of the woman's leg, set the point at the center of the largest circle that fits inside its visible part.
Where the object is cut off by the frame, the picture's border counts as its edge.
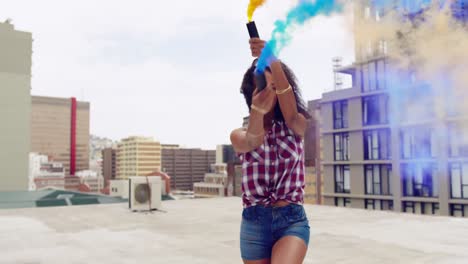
(292, 233)
(289, 249)
(262, 261)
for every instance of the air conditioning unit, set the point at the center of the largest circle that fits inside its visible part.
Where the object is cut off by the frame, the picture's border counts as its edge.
(144, 193)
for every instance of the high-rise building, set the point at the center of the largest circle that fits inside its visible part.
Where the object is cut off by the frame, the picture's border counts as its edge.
(138, 156)
(170, 146)
(460, 10)
(226, 154)
(60, 130)
(15, 107)
(236, 171)
(392, 151)
(313, 152)
(109, 164)
(96, 146)
(186, 166)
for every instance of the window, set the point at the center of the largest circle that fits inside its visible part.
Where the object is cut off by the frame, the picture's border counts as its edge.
(378, 179)
(407, 206)
(383, 47)
(372, 76)
(373, 73)
(367, 12)
(342, 202)
(340, 114)
(382, 71)
(365, 78)
(342, 184)
(459, 180)
(458, 140)
(378, 204)
(375, 109)
(418, 142)
(459, 210)
(425, 108)
(420, 180)
(341, 142)
(369, 77)
(420, 208)
(377, 144)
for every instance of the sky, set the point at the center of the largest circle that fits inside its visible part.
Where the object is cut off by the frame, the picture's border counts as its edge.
(170, 70)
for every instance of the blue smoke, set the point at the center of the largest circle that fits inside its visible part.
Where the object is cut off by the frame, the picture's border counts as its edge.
(407, 6)
(298, 15)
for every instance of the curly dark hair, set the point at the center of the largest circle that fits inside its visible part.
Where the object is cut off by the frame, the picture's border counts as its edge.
(248, 87)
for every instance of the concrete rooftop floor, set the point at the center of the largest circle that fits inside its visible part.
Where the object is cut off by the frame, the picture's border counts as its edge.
(207, 231)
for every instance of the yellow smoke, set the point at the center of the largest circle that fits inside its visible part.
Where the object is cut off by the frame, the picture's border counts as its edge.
(440, 45)
(253, 5)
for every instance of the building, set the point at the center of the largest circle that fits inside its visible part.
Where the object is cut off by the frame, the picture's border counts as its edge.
(97, 144)
(60, 130)
(460, 10)
(313, 153)
(225, 154)
(386, 146)
(15, 107)
(109, 164)
(90, 181)
(236, 171)
(245, 121)
(35, 161)
(44, 173)
(45, 183)
(138, 156)
(96, 147)
(170, 146)
(215, 184)
(186, 166)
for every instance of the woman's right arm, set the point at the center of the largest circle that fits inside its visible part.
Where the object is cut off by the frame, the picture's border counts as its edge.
(245, 140)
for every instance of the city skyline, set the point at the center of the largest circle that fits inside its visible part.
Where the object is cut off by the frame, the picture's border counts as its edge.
(168, 86)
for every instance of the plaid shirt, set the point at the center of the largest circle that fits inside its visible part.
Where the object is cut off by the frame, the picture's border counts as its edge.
(275, 170)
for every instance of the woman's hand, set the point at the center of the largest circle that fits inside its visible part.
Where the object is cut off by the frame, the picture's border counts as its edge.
(265, 100)
(256, 46)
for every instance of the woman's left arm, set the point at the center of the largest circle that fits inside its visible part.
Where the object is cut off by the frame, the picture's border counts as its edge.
(287, 100)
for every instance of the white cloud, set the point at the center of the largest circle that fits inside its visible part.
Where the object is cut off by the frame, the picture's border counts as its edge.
(169, 69)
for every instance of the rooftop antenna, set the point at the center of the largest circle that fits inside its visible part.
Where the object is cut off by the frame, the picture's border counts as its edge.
(337, 63)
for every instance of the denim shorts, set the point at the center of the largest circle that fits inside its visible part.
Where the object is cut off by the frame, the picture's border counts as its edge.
(262, 227)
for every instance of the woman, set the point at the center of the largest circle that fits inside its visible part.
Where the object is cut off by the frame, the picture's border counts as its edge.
(274, 226)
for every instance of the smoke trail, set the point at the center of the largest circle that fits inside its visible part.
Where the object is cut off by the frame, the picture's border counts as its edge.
(431, 47)
(297, 16)
(426, 54)
(402, 5)
(253, 5)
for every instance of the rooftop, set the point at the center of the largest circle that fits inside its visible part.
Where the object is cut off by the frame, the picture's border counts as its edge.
(207, 231)
(52, 197)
